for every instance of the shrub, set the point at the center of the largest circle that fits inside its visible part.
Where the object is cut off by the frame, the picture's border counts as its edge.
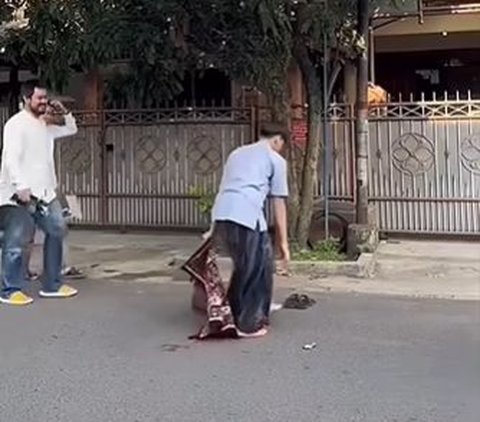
(204, 198)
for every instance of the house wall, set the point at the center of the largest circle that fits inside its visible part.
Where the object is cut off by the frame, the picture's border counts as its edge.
(247, 96)
(430, 73)
(85, 90)
(427, 42)
(430, 58)
(431, 25)
(77, 91)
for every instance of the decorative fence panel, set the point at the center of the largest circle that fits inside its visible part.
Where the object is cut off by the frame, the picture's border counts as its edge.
(79, 169)
(138, 168)
(424, 165)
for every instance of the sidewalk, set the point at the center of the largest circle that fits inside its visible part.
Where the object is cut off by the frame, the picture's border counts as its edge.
(447, 270)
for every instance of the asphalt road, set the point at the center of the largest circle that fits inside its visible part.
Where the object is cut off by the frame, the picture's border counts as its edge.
(119, 352)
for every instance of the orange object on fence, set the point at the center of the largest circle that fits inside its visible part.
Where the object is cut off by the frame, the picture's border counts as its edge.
(376, 94)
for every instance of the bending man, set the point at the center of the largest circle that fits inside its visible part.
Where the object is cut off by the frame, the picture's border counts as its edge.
(251, 174)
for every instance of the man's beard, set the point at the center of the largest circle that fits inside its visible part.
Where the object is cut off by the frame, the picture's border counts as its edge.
(37, 111)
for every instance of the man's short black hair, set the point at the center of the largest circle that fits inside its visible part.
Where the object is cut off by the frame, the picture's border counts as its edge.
(271, 129)
(28, 88)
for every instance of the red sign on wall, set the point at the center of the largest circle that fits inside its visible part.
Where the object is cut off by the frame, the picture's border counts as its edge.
(299, 133)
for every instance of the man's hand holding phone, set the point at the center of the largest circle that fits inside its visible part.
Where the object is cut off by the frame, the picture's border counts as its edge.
(58, 107)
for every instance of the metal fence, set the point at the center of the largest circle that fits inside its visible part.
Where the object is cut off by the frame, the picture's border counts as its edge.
(424, 165)
(138, 168)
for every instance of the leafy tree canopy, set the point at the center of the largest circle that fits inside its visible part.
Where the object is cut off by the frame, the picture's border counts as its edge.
(65, 36)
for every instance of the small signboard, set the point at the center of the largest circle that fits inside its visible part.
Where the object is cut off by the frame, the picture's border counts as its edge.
(300, 133)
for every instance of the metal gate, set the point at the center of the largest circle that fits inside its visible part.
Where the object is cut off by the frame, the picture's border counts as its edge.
(138, 168)
(424, 165)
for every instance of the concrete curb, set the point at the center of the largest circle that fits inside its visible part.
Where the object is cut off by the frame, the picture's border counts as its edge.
(356, 277)
(363, 267)
(401, 288)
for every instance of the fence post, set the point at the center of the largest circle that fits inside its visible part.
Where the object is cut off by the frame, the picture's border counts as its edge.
(103, 169)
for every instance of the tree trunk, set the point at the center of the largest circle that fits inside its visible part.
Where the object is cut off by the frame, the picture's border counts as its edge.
(310, 170)
(281, 112)
(294, 157)
(310, 163)
(362, 118)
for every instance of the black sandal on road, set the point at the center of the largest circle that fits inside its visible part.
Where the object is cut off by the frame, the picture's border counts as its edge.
(73, 273)
(296, 301)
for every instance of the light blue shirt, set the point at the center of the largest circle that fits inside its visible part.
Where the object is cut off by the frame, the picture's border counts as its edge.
(251, 173)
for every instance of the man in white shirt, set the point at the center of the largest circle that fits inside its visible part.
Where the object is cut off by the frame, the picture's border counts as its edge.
(28, 196)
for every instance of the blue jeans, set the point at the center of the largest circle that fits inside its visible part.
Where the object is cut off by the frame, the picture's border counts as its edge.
(18, 226)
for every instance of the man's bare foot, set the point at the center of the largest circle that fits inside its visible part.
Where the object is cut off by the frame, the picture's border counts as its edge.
(260, 333)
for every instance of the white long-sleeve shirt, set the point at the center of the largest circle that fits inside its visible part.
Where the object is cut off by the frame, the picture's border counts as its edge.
(28, 155)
